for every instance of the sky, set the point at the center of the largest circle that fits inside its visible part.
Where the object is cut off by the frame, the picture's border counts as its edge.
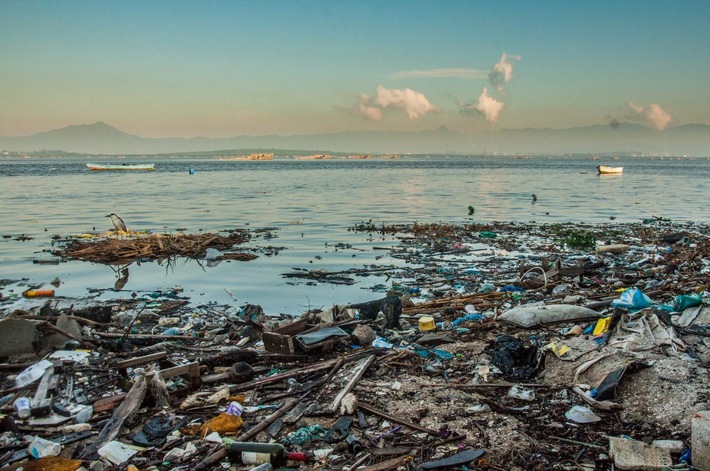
(172, 68)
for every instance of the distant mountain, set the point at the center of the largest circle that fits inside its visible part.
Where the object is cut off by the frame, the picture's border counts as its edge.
(100, 138)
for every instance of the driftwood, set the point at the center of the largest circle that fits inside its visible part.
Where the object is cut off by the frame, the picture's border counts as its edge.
(51, 327)
(128, 407)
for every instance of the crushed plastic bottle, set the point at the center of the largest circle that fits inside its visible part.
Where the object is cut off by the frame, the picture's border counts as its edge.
(523, 394)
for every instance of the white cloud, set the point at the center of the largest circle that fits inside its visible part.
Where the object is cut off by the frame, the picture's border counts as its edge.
(502, 72)
(487, 106)
(413, 103)
(654, 115)
(467, 74)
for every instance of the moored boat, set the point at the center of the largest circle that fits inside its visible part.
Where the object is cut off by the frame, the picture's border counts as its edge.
(606, 170)
(94, 166)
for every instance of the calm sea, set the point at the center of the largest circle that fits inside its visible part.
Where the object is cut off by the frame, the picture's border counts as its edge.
(309, 206)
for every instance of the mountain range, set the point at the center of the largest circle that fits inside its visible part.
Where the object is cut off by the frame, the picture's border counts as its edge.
(692, 140)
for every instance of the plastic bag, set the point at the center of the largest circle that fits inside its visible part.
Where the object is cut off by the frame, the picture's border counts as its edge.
(633, 299)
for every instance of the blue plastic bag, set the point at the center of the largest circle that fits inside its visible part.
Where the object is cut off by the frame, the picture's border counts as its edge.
(633, 299)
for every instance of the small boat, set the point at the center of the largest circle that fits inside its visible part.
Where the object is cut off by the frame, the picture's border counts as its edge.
(606, 170)
(92, 166)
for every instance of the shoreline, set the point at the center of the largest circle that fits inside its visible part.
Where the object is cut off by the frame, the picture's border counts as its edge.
(447, 389)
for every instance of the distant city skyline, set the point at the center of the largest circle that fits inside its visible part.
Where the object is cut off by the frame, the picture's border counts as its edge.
(229, 68)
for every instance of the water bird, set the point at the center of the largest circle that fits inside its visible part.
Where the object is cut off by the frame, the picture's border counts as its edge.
(534, 197)
(117, 222)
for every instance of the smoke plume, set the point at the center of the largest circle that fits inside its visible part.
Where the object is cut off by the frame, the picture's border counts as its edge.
(502, 72)
(488, 106)
(653, 114)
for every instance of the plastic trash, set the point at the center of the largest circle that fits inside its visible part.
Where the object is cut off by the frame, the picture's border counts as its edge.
(488, 235)
(38, 293)
(602, 326)
(235, 408)
(379, 342)
(22, 406)
(582, 415)
(524, 394)
(31, 374)
(560, 290)
(306, 434)
(460, 458)
(684, 301)
(467, 318)
(486, 288)
(39, 448)
(517, 360)
(633, 299)
(116, 452)
(84, 415)
(607, 388)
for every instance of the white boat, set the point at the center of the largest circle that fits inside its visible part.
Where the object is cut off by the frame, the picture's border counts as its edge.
(93, 166)
(606, 170)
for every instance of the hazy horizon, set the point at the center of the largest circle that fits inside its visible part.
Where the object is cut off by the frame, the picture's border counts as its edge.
(164, 69)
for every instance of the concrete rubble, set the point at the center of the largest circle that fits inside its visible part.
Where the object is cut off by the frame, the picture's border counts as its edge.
(501, 346)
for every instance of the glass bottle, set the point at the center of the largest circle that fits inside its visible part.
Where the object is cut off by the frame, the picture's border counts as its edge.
(258, 453)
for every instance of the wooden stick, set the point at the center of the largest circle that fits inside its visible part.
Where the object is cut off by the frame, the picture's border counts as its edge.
(486, 385)
(398, 420)
(389, 464)
(49, 326)
(281, 376)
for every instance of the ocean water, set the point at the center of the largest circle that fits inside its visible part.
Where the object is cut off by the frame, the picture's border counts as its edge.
(303, 210)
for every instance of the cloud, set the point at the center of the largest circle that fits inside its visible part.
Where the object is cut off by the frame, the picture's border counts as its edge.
(415, 104)
(654, 115)
(467, 74)
(502, 72)
(487, 106)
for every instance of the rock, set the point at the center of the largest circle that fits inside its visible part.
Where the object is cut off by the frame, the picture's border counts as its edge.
(348, 405)
(635, 455)
(17, 336)
(364, 334)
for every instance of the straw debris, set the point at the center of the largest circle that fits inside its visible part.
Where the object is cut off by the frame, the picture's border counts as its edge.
(153, 247)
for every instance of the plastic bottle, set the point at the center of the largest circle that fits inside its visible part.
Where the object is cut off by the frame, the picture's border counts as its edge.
(258, 453)
(38, 293)
(22, 406)
(39, 448)
(235, 408)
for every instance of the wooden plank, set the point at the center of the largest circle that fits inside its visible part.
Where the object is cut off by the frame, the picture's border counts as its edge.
(358, 371)
(141, 360)
(41, 404)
